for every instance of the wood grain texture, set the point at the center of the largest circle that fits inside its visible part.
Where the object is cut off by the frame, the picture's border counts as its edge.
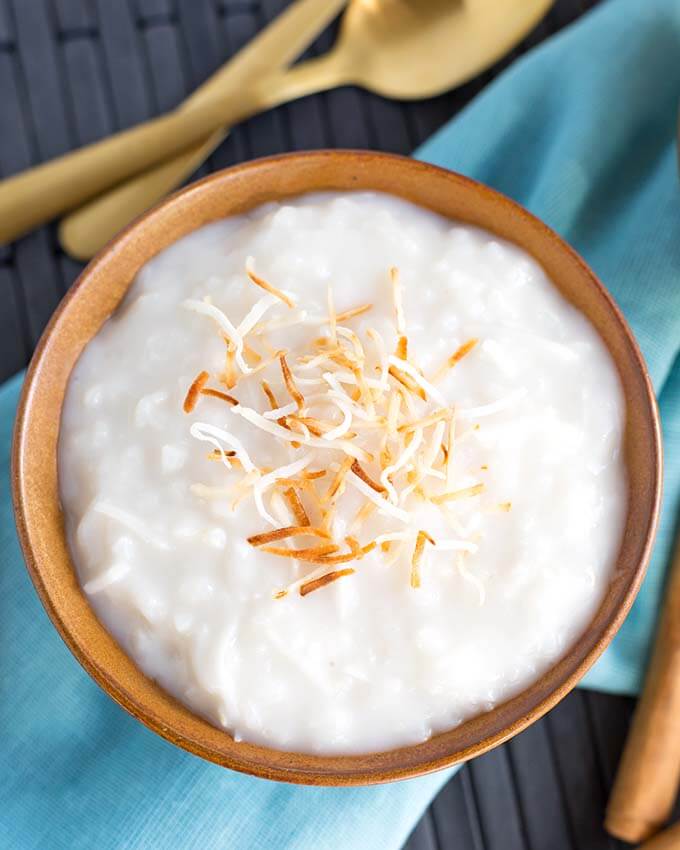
(35, 123)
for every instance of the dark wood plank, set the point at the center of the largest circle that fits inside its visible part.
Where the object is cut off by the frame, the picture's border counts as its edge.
(75, 17)
(152, 12)
(496, 795)
(539, 790)
(49, 109)
(424, 836)
(569, 729)
(456, 816)
(123, 62)
(166, 65)
(610, 719)
(36, 278)
(199, 26)
(236, 30)
(14, 347)
(90, 97)
(7, 41)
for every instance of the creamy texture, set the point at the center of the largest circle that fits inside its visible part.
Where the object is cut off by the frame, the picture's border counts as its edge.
(368, 662)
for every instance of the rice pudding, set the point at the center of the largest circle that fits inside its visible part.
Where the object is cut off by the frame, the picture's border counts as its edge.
(340, 474)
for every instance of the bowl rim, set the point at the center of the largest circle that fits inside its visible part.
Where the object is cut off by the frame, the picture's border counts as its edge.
(369, 768)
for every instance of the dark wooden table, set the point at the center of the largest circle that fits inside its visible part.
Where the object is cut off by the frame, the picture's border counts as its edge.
(72, 71)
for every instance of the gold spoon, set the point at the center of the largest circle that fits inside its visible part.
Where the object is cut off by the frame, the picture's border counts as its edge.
(398, 48)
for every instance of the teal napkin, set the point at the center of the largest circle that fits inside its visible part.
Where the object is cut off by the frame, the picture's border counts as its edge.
(582, 132)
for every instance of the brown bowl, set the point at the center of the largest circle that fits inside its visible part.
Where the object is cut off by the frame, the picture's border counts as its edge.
(96, 295)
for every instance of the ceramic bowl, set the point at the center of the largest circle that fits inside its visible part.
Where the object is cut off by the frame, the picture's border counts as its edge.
(96, 295)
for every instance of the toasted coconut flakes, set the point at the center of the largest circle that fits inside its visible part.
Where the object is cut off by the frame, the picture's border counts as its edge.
(311, 362)
(322, 581)
(342, 359)
(385, 545)
(250, 352)
(484, 467)
(404, 366)
(277, 430)
(219, 394)
(364, 392)
(206, 309)
(356, 554)
(360, 472)
(449, 450)
(262, 365)
(456, 357)
(464, 493)
(255, 313)
(421, 539)
(328, 517)
(300, 317)
(426, 421)
(382, 504)
(281, 412)
(314, 475)
(296, 506)
(295, 393)
(402, 348)
(362, 515)
(424, 468)
(408, 452)
(308, 424)
(288, 531)
(194, 390)
(287, 471)
(332, 318)
(393, 410)
(352, 313)
(314, 554)
(354, 546)
(229, 375)
(405, 381)
(505, 506)
(379, 342)
(385, 539)
(445, 453)
(337, 482)
(359, 352)
(398, 300)
(218, 454)
(263, 284)
(212, 434)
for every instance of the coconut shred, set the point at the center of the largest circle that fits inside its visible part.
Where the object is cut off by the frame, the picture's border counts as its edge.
(340, 474)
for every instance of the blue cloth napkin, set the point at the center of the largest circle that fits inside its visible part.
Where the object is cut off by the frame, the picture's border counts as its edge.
(582, 132)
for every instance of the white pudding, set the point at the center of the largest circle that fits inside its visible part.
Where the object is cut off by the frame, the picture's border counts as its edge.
(466, 505)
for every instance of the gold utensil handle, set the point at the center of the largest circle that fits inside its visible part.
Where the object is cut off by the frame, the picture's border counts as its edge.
(90, 227)
(649, 773)
(39, 194)
(669, 839)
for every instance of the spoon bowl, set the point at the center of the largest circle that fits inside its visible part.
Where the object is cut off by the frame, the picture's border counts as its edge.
(412, 49)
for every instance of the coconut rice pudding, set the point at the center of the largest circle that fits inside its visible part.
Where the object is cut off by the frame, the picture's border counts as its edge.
(340, 474)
